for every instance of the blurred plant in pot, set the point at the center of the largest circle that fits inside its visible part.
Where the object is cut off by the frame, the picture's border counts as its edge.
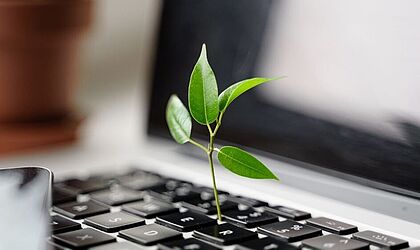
(207, 108)
(39, 44)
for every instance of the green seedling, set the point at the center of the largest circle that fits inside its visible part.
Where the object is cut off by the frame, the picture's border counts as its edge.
(207, 108)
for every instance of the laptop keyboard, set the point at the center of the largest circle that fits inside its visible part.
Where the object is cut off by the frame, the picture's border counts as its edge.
(142, 209)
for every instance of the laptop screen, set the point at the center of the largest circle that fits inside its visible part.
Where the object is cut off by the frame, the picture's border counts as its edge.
(350, 103)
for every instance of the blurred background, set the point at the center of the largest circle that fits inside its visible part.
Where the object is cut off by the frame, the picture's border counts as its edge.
(95, 59)
(96, 76)
(116, 64)
(84, 83)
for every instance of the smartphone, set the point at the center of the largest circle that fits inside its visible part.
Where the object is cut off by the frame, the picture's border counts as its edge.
(25, 199)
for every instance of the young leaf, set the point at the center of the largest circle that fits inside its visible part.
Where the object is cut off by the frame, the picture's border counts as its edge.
(244, 164)
(178, 119)
(237, 89)
(202, 91)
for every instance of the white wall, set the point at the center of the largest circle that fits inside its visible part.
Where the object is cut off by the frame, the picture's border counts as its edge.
(115, 70)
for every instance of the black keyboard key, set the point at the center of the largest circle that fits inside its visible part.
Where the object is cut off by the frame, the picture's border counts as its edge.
(60, 224)
(224, 234)
(287, 212)
(172, 184)
(54, 246)
(249, 217)
(381, 240)
(290, 231)
(150, 234)
(141, 181)
(114, 222)
(118, 246)
(150, 208)
(187, 244)
(83, 238)
(178, 194)
(185, 222)
(209, 206)
(60, 195)
(247, 201)
(174, 191)
(207, 193)
(334, 242)
(78, 186)
(117, 196)
(266, 243)
(80, 210)
(332, 226)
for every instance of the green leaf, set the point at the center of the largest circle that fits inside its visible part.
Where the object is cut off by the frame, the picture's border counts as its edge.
(244, 164)
(202, 91)
(237, 89)
(178, 119)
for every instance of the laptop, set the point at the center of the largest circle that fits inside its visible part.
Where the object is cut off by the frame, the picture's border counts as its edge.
(347, 154)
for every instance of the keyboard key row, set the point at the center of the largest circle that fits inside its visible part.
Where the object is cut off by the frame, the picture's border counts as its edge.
(151, 196)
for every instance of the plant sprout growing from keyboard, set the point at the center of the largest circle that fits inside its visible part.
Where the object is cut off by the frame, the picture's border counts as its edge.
(207, 108)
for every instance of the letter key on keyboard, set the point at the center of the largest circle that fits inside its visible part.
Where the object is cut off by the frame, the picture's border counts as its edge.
(60, 224)
(287, 212)
(116, 196)
(83, 238)
(381, 240)
(188, 244)
(290, 231)
(224, 234)
(149, 234)
(114, 222)
(150, 209)
(185, 222)
(80, 210)
(249, 218)
(267, 243)
(332, 226)
(119, 246)
(335, 242)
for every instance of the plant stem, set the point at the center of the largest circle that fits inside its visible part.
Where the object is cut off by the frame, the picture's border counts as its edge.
(216, 195)
(210, 156)
(219, 122)
(198, 145)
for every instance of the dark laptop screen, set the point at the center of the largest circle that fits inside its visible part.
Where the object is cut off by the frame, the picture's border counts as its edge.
(350, 103)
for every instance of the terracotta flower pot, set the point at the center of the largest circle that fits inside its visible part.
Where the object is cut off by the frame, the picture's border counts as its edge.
(39, 44)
